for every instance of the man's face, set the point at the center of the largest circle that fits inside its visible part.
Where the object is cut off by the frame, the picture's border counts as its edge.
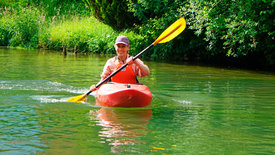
(121, 50)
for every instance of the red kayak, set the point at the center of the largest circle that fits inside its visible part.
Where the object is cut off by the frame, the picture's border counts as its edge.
(123, 95)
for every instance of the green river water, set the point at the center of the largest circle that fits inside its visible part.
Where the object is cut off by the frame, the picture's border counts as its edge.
(195, 109)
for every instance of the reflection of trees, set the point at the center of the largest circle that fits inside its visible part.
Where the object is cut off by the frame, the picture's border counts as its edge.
(121, 126)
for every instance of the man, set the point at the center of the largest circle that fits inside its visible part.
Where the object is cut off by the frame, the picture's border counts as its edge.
(129, 74)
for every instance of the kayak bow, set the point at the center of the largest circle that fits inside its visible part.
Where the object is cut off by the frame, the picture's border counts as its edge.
(123, 95)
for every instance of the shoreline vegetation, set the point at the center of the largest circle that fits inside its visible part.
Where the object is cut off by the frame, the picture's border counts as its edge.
(29, 27)
(74, 26)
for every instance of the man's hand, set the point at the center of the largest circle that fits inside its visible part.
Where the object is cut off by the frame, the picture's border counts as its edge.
(93, 88)
(130, 61)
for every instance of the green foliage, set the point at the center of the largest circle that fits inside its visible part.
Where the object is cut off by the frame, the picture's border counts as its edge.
(5, 34)
(13, 3)
(77, 31)
(156, 16)
(61, 8)
(26, 22)
(234, 28)
(88, 34)
(216, 29)
(112, 12)
(223, 28)
(28, 27)
(20, 27)
(224, 25)
(52, 9)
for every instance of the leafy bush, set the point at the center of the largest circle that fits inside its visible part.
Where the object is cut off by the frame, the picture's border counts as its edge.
(215, 28)
(156, 16)
(5, 34)
(20, 27)
(77, 31)
(233, 28)
(89, 35)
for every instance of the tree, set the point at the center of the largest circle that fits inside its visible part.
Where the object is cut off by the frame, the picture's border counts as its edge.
(112, 12)
(234, 29)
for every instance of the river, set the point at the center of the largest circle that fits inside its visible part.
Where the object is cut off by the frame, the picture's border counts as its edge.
(195, 109)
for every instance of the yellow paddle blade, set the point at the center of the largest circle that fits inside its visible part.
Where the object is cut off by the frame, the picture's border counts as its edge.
(78, 99)
(171, 32)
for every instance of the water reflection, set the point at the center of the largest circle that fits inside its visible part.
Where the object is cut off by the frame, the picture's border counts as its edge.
(121, 126)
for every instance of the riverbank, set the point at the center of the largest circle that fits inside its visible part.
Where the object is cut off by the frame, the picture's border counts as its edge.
(69, 27)
(29, 28)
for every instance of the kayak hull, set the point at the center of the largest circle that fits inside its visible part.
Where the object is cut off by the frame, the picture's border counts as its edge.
(123, 95)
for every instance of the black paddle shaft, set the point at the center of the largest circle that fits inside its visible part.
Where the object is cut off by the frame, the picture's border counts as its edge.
(114, 73)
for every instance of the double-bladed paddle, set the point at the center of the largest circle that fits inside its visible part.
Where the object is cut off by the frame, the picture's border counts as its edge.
(170, 33)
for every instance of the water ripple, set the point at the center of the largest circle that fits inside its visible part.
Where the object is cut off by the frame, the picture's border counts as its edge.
(39, 85)
(19, 129)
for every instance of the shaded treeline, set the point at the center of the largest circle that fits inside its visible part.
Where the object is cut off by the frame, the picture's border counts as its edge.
(228, 32)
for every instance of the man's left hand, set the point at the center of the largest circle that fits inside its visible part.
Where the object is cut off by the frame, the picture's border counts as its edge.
(130, 61)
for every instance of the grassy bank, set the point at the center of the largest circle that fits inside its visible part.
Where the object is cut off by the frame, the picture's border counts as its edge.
(29, 27)
(86, 34)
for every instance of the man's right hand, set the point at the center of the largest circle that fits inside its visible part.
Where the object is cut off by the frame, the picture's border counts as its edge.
(93, 88)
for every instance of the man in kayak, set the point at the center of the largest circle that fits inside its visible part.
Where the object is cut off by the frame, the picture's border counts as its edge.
(129, 74)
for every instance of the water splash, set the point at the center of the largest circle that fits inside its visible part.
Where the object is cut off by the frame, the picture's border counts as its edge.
(39, 87)
(182, 101)
(48, 99)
